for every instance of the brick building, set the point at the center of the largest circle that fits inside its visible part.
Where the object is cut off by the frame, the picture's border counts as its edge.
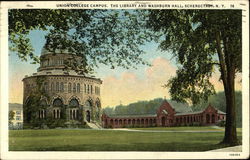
(165, 116)
(68, 95)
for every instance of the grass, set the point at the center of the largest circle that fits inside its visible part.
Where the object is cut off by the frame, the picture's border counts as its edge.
(112, 140)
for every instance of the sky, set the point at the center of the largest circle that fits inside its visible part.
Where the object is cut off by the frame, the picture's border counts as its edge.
(120, 86)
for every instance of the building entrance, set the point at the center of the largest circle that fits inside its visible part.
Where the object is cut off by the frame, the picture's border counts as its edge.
(88, 116)
(163, 121)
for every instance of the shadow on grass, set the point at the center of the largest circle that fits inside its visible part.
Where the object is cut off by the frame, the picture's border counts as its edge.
(174, 147)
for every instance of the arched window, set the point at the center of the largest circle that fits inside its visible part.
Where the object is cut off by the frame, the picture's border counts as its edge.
(57, 103)
(88, 103)
(142, 121)
(52, 86)
(74, 103)
(138, 122)
(57, 86)
(129, 121)
(61, 87)
(69, 87)
(78, 87)
(133, 121)
(74, 87)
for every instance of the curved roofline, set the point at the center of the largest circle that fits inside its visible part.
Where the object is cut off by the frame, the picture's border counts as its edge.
(81, 76)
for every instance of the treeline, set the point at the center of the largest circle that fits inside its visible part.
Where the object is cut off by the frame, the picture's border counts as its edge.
(141, 107)
(149, 107)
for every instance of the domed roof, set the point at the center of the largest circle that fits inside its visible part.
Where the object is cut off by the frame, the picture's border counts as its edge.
(46, 51)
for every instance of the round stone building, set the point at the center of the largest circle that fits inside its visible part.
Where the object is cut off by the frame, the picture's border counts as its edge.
(55, 92)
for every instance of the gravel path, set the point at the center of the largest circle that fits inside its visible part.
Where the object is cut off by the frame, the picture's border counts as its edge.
(158, 131)
(228, 149)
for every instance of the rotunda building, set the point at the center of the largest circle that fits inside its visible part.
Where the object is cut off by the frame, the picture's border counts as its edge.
(55, 92)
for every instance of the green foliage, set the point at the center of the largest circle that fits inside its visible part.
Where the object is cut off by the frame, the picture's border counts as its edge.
(141, 107)
(11, 116)
(199, 40)
(110, 37)
(33, 104)
(221, 123)
(219, 101)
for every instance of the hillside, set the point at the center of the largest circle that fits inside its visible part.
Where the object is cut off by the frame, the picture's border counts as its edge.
(15, 106)
(145, 107)
(150, 107)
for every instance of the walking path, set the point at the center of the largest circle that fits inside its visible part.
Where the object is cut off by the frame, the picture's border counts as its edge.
(228, 149)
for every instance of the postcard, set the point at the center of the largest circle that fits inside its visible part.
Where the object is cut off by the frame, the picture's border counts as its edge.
(125, 80)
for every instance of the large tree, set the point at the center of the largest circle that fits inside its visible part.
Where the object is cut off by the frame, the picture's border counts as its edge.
(108, 37)
(202, 40)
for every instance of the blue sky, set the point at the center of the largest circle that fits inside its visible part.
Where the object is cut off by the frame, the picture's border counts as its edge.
(119, 85)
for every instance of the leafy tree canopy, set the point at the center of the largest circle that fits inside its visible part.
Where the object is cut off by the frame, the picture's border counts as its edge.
(110, 37)
(200, 40)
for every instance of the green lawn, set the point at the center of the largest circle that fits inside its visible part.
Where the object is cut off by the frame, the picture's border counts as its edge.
(112, 140)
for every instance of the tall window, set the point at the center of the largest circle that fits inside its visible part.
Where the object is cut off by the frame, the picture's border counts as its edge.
(61, 87)
(69, 87)
(88, 88)
(85, 88)
(78, 87)
(56, 113)
(42, 114)
(91, 89)
(74, 87)
(57, 86)
(74, 114)
(52, 86)
(46, 86)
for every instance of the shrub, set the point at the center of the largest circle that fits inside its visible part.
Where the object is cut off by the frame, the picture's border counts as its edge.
(196, 124)
(221, 123)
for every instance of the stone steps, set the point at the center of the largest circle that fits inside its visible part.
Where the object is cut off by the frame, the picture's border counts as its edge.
(94, 125)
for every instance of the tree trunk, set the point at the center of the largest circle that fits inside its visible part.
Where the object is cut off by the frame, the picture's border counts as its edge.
(230, 136)
(227, 67)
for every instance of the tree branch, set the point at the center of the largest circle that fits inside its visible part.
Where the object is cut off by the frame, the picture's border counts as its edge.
(221, 59)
